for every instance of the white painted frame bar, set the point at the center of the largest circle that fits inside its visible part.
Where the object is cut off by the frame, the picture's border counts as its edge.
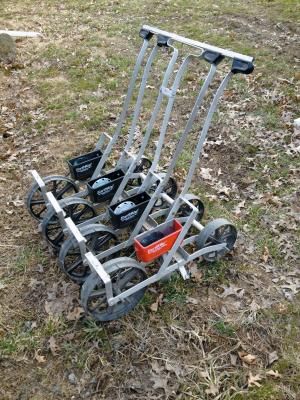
(77, 235)
(97, 267)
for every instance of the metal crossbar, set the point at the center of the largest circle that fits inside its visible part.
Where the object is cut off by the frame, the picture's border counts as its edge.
(198, 45)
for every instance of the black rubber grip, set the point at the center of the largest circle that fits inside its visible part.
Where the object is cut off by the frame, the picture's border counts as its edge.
(147, 35)
(212, 57)
(241, 67)
(162, 40)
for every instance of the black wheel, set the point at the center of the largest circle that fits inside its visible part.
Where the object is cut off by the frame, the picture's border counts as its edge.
(125, 273)
(79, 210)
(170, 189)
(143, 166)
(60, 186)
(99, 238)
(185, 211)
(217, 231)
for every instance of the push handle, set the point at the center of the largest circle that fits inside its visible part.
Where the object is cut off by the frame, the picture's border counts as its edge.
(198, 45)
(242, 67)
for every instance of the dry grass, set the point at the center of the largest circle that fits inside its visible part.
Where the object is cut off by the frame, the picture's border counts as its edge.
(198, 349)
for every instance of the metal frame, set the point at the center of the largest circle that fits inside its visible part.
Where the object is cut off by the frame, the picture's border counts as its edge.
(177, 258)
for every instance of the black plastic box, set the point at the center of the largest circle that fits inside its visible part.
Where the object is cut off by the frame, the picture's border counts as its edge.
(82, 167)
(128, 217)
(107, 190)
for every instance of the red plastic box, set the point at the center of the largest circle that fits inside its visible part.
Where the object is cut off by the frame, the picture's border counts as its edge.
(161, 246)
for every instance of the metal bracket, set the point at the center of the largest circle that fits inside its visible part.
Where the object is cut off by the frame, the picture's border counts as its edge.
(104, 276)
(57, 208)
(74, 231)
(41, 184)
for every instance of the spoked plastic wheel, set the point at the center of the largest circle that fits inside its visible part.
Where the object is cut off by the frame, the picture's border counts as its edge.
(217, 231)
(60, 186)
(79, 210)
(99, 238)
(170, 189)
(185, 210)
(124, 273)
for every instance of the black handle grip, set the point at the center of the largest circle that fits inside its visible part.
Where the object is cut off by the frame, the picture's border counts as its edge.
(162, 41)
(145, 34)
(241, 67)
(212, 57)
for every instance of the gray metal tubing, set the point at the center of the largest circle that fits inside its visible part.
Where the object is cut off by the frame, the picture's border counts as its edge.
(181, 236)
(124, 110)
(164, 126)
(203, 135)
(156, 277)
(198, 103)
(198, 45)
(138, 105)
(150, 126)
(178, 149)
(169, 108)
(199, 147)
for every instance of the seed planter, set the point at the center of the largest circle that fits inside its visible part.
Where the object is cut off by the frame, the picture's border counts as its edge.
(133, 208)
(105, 187)
(158, 241)
(82, 167)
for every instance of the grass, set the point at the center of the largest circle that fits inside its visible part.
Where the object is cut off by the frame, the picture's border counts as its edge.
(85, 59)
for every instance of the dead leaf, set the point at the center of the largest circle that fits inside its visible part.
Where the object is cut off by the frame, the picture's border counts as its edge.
(154, 306)
(156, 367)
(205, 174)
(160, 382)
(266, 254)
(38, 357)
(191, 300)
(177, 369)
(254, 379)
(53, 346)
(195, 272)
(233, 359)
(247, 358)
(232, 290)
(273, 374)
(212, 389)
(272, 357)
(75, 314)
(238, 207)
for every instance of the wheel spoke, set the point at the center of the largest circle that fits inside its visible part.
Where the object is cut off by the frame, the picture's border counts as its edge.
(64, 190)
(74, 265)
(37, 202)
(57, 239)
(52, 228)
(76, 217)
(40, 212)
(98, 293)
